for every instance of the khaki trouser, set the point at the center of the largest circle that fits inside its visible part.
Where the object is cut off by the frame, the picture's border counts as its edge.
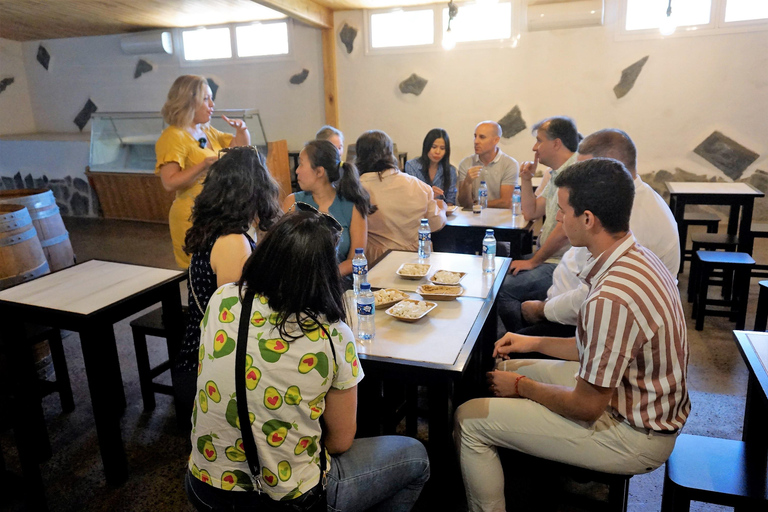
(608, 445)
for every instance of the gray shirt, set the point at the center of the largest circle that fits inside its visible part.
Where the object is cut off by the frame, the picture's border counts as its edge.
(503, 170)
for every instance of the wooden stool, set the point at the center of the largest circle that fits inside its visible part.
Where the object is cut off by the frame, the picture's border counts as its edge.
(719, 471)
(737, 262)
(710, 220)
(38, 333)
(761, 316)
(712, 242)
(151, 324)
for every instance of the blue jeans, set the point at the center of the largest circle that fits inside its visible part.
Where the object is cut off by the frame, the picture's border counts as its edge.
(385, 473)
(527, 285)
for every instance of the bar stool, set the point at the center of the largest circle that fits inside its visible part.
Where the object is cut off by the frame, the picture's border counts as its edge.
(711, 470)
(151, 324)
(761, 316)
(711, 242)
(710, 220)
(740, 264)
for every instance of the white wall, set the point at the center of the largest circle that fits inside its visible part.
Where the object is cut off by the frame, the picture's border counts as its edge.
(689, 87)
(15, 107)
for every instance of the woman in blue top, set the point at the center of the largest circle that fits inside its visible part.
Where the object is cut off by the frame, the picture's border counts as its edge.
(333, 187)
(434, 167)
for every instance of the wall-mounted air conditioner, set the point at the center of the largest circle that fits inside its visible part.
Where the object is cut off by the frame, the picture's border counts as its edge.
(147, 42)
(553, 14)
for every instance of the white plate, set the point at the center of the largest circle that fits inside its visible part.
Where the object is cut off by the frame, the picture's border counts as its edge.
(431, 305)
(420, 266)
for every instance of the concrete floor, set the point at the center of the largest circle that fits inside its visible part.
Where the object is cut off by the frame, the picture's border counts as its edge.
(157, 451)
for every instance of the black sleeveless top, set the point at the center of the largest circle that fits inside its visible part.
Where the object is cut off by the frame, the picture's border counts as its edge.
(202, 280)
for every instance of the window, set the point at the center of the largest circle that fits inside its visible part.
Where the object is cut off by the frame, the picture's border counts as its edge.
(481, 22)
(258, 39)
(649, 14)
(402, 28)
(745, 10)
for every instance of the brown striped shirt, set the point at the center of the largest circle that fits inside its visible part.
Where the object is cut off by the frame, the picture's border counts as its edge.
(631, 336)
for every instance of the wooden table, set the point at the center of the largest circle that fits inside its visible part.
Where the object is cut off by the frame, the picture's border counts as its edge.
(438, 350)
(739, 196)
(464, 232)
(88, 298)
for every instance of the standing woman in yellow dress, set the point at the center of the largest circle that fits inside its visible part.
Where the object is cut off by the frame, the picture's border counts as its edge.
(187, 148)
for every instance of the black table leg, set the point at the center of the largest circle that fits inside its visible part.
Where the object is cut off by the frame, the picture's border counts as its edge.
(733, 219)
(678, 211)
(745, 226)
(173, 321)
(99, 365)
(114, 374)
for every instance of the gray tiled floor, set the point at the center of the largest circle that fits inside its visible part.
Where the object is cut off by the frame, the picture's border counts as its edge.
(157, 452)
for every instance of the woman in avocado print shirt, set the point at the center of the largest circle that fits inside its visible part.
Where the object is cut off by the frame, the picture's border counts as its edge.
(293, 377)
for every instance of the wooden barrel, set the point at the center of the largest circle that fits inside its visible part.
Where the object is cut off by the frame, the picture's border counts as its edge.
(21, 254)
(46, 218)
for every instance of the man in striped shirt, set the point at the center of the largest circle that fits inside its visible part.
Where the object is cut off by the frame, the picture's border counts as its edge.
(618, 398)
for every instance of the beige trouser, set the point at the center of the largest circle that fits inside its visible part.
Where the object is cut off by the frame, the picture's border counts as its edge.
(523, 425)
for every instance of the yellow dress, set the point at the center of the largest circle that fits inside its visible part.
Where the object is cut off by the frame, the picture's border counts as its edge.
(177, 145)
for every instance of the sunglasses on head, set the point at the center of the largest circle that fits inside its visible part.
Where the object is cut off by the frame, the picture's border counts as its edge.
(329, 220)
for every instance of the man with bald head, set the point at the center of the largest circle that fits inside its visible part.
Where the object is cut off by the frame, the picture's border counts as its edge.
(489, 164)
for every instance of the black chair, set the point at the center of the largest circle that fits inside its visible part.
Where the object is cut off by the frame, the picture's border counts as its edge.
(761, 316)
(759, 231)
(740, 264)
(710, 220)
(711, 470)
(712, 242)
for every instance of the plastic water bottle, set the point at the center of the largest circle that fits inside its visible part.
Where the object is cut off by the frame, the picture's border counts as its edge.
(359, 270)
(366, 313)
(425, 240)
(517, 207)
(482, 195)
(489, 251)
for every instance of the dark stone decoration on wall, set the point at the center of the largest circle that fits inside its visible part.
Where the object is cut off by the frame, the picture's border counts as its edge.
(299, 78)
(726, 154)
(43, 57)
(414, 84)
(74, 197)
(348, 35)
(512, 123)
(85, 114)
(5, 82)
(214, 87)
(142, 67)
(628, 77)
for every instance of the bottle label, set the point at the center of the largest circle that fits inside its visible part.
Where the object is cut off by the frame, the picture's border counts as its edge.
(489, 249)
(364, 309)
(482, 192)
(425, 237)
(360, 270)
(515, 198)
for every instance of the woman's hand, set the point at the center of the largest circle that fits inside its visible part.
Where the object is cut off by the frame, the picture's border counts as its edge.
(238, 124)
(516, 343)
(438, 191)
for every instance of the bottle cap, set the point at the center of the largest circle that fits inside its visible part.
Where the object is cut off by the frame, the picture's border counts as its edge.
(359, 250)
(488, 232)
(424, 220)
(365, 286)
(482, 182)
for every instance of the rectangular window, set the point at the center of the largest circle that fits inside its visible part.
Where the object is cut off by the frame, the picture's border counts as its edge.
(481, 22)
(402, 28)
(259, 39)
(649, 14)
(746, 10)
(207, 43)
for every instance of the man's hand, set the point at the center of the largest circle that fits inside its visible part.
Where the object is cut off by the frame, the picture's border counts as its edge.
(533, 311)
(473, 172)
(502, 384)
(528, 169)
(516, 343)
(517, 265)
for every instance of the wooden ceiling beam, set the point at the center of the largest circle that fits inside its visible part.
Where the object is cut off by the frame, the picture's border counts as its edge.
(306, 11)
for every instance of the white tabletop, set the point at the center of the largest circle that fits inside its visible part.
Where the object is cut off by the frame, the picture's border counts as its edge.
(436, 338)
(87, 287)
(496, 218)
(476, 283)
(711, 187)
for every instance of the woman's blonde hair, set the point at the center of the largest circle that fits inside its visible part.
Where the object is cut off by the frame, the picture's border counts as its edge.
(186, 94)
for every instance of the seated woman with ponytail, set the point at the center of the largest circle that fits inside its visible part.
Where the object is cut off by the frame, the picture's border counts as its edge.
(333, 187)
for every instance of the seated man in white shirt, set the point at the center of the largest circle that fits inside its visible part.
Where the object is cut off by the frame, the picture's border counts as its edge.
(651, 222)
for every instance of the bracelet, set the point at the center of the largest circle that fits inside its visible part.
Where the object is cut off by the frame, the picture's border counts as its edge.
(517, 381)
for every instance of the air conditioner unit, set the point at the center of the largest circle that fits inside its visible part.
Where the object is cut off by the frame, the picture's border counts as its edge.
(147, 42)
(565, 14)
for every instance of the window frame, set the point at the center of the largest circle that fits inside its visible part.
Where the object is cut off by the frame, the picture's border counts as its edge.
(717, 25)
(437, 17)
(235, 59)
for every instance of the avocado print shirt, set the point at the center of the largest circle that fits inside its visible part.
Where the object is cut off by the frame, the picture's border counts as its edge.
(286, 382)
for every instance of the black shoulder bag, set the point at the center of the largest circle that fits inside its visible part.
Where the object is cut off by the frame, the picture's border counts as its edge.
(313, 500)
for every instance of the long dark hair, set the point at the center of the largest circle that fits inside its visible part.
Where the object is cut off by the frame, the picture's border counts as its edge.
(343, 177)
(375, 153)
(445, 162)
(295, 268)
(237, 191)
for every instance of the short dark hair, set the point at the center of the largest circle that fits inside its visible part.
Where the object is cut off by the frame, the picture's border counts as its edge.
(560, 127)
(604, 187)
(237, 191)
(611, 143)
(375, 153)
(295, 268)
